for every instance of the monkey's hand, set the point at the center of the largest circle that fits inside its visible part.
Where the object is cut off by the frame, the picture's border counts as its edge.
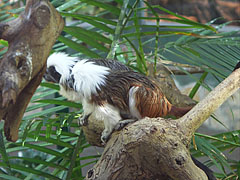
(105, 136)
(83, 120)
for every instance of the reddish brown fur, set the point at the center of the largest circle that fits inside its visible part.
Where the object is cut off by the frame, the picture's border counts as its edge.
(150, 101)
(179, 111)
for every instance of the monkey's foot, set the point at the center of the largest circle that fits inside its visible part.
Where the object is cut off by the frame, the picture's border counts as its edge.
(83, 120)
(121, 124)
(105, 136)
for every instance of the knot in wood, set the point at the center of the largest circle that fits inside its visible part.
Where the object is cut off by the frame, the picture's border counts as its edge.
(3, 28)
(153, 129)
(42, 16)
(90, 173)
(180, 160)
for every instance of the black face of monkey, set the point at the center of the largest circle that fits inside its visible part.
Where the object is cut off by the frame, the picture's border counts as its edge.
(51, 75)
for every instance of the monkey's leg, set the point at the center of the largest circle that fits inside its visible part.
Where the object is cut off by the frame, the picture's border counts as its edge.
(110, 116)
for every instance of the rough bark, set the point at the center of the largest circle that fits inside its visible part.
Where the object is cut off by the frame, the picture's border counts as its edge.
(157, 148)
(30, 37)
(147, 149)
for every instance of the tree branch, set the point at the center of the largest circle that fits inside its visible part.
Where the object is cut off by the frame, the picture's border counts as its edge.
(195, 118)
(173, 67)
(30, 38)
(147, 149)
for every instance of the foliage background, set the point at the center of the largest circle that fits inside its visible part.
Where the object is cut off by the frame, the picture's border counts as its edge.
(50, 142)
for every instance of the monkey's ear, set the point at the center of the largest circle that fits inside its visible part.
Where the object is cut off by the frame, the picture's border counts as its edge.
(237, 66)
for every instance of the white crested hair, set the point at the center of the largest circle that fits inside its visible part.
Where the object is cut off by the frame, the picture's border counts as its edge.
(62, 63)
(88, 77)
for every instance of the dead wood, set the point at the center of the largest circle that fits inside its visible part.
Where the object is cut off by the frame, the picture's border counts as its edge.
(30, 37)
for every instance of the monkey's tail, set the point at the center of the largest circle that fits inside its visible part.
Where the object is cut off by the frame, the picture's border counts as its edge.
(207, 171)
(179, 111)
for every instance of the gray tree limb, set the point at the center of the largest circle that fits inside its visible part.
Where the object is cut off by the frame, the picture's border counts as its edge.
(30, 38)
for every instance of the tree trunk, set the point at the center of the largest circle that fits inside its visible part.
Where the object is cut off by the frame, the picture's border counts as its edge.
(30, 37)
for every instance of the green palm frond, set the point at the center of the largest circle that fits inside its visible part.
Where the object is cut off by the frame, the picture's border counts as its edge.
(216, 56)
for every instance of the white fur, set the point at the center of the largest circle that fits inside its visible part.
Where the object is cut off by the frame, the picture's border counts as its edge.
(132, 103)
(88, 77)
(88, 108)
(62, 63)
(107, 113)
(71, 94)
(110, 116)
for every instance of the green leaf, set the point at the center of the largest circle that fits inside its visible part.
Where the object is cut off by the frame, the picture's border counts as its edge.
(46, 150)
(92, 20)
(141, 62)
(4, 154)
(33, 171)
(52, 140)
(197, 85)
(39, 161)
(108, 7)
(44, 112)
(118, 31)
(8, 177)
(4, 43)
(147, 33)
(92, 34)
(74, 156)
(68, 4)
(44, 94)
(156, 36)
(218, 139)
(50, 85)
(60, 102)
(78, 47)
(86, 36)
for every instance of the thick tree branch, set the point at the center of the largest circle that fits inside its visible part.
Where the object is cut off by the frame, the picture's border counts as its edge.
(147, 149)
(13, 120)
(30, 39)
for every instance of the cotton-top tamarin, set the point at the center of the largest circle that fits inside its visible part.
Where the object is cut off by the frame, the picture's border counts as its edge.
(111, 92)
